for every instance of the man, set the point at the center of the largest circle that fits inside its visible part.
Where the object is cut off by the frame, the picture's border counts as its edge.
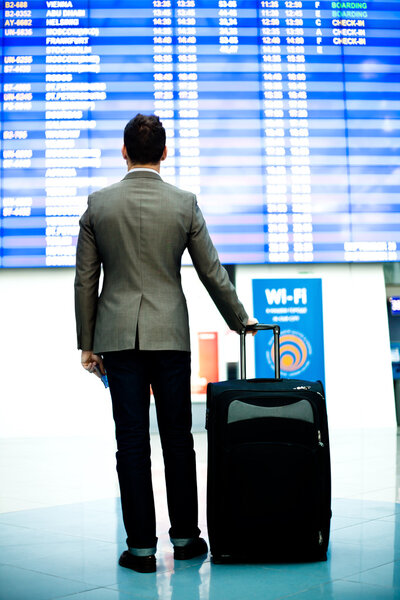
(138, 331)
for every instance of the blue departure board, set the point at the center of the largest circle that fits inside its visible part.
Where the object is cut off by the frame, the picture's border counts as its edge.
(283, 116)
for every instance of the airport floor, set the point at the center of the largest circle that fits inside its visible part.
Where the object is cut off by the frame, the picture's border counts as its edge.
(61, 531)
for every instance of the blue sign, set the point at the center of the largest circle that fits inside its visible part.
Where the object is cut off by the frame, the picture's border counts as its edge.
(296, 306)
(394, 306)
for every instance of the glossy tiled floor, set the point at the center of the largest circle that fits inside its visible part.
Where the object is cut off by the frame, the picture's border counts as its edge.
(61, 531)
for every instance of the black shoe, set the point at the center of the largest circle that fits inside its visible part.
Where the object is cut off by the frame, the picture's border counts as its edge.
(195, 548)
(141, 564)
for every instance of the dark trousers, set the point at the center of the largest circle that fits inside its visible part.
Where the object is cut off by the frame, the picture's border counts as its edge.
(130, 374)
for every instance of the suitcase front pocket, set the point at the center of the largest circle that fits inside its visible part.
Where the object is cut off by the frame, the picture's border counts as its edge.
(274, 498)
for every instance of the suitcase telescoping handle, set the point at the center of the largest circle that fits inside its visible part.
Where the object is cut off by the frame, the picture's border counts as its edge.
(259, 327)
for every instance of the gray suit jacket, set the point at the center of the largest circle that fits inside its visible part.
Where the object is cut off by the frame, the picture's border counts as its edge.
(138, 230)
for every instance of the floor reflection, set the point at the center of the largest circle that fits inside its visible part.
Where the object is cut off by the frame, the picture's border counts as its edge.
(69, 548)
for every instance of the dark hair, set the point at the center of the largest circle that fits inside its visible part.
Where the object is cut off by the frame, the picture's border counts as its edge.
(144, 139)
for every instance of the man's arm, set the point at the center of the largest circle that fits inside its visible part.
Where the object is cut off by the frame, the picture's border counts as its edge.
(212, 274)
(86, 283)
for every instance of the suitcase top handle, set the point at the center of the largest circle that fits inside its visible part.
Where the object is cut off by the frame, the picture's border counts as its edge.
(260, 327)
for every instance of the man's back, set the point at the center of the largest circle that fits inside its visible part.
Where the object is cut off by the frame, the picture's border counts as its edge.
(141, 227)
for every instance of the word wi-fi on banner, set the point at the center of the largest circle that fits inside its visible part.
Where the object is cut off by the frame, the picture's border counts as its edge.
(296, 306)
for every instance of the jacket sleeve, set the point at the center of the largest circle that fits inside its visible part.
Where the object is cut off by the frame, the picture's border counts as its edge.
(212, 274)
(87, 276)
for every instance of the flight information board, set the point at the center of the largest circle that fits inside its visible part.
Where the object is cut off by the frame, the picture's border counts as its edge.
(283, 116)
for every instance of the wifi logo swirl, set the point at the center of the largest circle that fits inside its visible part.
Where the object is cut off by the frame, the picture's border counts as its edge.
(294, 352)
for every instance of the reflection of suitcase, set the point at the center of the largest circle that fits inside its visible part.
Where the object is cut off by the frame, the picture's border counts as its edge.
(269, 484)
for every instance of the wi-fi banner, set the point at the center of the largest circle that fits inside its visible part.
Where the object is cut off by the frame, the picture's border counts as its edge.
(296, 306)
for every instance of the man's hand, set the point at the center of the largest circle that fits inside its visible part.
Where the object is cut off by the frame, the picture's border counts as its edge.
(252, 321)
(89, 361)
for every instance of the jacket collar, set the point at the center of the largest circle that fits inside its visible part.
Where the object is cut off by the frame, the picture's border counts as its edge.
(139, 174)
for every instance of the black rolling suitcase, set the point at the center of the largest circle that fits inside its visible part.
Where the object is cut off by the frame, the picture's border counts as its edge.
(269, 482)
